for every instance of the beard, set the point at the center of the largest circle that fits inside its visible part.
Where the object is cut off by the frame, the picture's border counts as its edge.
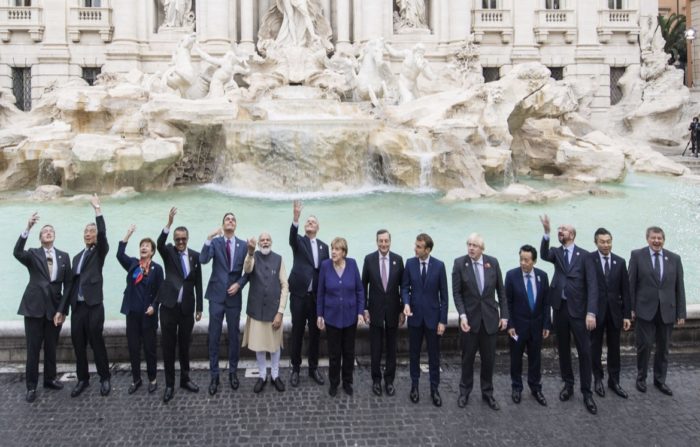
(266, 251)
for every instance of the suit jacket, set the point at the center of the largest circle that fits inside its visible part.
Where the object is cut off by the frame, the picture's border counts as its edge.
(479, 307)
(578, 282)
(383, 305)
(528, 324)
(613, 290)
(147, 290)
(648, 293)
(90, 278)
(42, 297)
(175, 278)
(221, 278)
(303, 270)
(340, 298)
(428, 301)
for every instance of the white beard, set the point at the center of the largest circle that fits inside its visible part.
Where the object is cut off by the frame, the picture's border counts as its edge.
(266, 251)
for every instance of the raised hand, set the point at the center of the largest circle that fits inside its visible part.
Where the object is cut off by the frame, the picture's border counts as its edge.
(171, 217)
(218, 231)
(545, 223)
(129, 232)
(33, 219)
(251, 245)
(297, 210)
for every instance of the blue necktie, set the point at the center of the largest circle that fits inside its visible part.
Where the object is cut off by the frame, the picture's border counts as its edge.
(183, 259)
(423, 272)
(566, 259)
(530, 293)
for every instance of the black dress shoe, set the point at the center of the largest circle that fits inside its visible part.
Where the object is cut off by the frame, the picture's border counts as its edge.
(415, 397)
(516, 395)
(539, 397)
(599, 388)
(168, 394)
(566, 393)
(435, 396)
(213, 385)
(317, 376)
(279, 385)
(333, 390)
(347, 387)
(79, 388)
(617, 389)
(389, 388)
(31, 396)
(590, 404)
(663, 388)
(377, 388)
(462, 400)
(105, 387)
(189, 385)
(491, 401)
(641, 386)
(134, 386)
(53, 385)
(294, 379)
(233, 381)
(259, 385)
(152, 387)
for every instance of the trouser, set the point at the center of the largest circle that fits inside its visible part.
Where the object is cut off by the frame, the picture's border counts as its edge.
(533, 347)
(378, 335)
(565, 325)
(176, 330)
(648, 332)
(341, 353)
(138, 335)
(303, 310)
(87, 324)
(38, 331)
(612, 338)
(485, 343)
(217, 311)
(416, 334)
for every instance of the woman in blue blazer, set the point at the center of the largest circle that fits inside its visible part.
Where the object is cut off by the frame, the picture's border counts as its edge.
(340, 308)
(143, 279)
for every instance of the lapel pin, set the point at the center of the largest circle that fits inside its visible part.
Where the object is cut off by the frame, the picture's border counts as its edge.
(538, 278)
(666, 258)
(577, 253)
(615, 262)
(394, 263)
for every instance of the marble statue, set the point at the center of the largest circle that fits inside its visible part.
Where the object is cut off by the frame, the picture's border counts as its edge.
(411, 15)
(295, 23)
(227, 67)
(181, 74)
(178, 14)
(374, 73)
(414, 64)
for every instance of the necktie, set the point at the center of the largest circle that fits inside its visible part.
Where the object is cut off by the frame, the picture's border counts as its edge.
(49, 264)
(385, 278)
(423, 271)
(566, 258)
(478, 277)
(314, 252)
(607, 266)
(228, 253)
(657, 266)
(530, 292)
(183, 259)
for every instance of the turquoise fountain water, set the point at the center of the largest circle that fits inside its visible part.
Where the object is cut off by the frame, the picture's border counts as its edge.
(626, 211)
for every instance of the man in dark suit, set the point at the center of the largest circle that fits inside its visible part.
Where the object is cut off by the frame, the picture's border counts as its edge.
(658, 301)
(476, 279)
(614, 311)
(574, 298)
(49, 278)
(180, 296)
(527, 294)
(424, 295)
(224, 294)
(308, 252)
(86, 300)
(381, 278)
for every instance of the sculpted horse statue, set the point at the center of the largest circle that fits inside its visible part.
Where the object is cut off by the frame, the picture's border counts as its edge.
(373, 75)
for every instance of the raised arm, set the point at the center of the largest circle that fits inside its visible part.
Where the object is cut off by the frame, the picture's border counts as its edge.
(19, 252)
(122, 257)
(102, 244)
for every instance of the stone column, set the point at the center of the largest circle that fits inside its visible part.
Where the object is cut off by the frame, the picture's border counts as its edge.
(590, 62)
(524, 47)
(123, 53)
(460, 20)
(216, 17)
(247, 44)
(342, 25)
(53, 61)
(368, 20)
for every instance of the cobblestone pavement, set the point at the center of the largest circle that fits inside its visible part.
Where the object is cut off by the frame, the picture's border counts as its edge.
(307, 415)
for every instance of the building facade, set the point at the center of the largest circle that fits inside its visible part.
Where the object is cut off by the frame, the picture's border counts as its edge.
(43, 42)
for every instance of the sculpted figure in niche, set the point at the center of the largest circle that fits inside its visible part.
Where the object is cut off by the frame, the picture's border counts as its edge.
(411, 14)
(414, 64)
(228, 65)
(177, 13)
(297, 23)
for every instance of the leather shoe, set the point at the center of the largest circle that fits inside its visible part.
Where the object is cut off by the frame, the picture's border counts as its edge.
(79, 388)
(435, 396)
(663, 388)
(491, 401)
(152, 387)
(279, 385)
(105, 387)
(317, 376)
(213, 385)
(233, 381)
(31, 396)
(347, 387)
(462, 400)
(599, 388)
(539, 397)
(516, 395)
(617, 389)
(333, 390)
(415, 397)
(189, 385)
(168, 394)
(641, 386)
(259, 385)
(590, 404)
(294, 379)
(134, 386)
(53, 385)
(389, 388)
(566, 393)
(377, 388)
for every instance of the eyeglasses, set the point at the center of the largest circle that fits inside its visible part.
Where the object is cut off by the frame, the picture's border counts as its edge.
(180, 239)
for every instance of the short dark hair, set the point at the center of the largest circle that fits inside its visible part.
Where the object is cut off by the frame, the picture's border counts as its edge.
(150, 242)
(383, 231)
(423, 237)
(226, 215)
(529, 249)
(600, 232)
(181, 228)
(655, 229)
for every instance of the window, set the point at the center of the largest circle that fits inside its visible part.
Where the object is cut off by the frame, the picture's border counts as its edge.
(489, 4)
(23, 2)
(22, 87)
(553, 4)
(491, 74)
(90, 74)
(615, 4)
(93, 3)
(557, 73)
(615, 91)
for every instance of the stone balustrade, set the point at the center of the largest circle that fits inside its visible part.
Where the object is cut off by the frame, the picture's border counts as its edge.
(88, 19)
(549, 21)
(618, 21)
(21, 18)
(492, 21)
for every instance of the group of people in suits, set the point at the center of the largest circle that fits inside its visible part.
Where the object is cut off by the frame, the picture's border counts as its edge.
(591, 297)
